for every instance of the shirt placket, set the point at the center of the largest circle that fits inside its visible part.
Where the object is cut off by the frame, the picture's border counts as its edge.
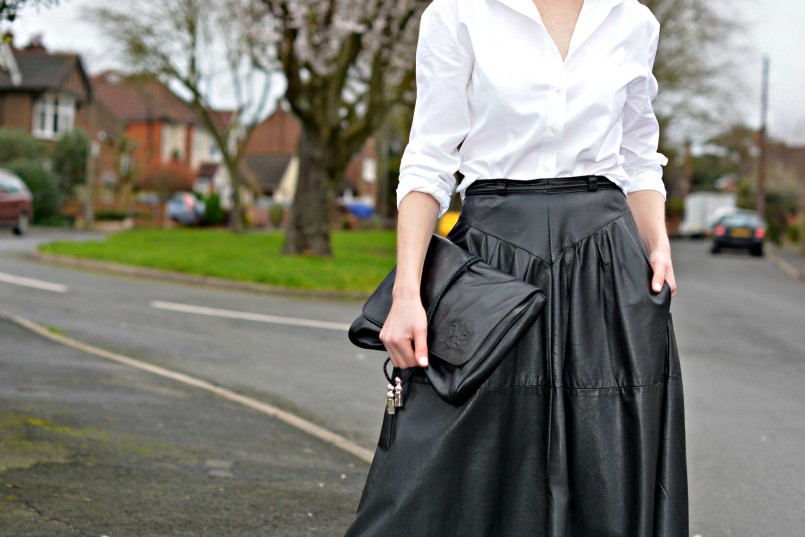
(555, 115)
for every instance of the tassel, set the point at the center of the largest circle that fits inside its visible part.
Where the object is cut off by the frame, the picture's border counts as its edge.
(398, 398)
(390, 400)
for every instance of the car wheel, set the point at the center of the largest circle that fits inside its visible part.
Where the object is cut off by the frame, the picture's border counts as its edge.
(22, 224)
(757, 251)
(715, 249)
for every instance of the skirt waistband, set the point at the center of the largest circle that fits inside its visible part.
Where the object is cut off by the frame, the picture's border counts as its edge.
(503, 186)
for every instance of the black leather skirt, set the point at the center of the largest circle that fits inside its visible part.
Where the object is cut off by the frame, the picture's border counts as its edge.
(580, 431)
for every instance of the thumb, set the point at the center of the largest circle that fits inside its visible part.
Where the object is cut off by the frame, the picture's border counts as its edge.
(660, 273)
(421, 345)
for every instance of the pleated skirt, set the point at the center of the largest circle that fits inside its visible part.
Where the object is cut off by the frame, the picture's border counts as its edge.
(580, 431)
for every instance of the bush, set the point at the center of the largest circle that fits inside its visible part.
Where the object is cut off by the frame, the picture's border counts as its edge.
(793, 234)
(70, 161)
(42, 185)
(17, 144)
(275, 214)
(675, 207)
(168, 178)
(214, 215)
(110, 216)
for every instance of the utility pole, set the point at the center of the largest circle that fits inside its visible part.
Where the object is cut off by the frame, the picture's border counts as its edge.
(92, 154)
(761, 175)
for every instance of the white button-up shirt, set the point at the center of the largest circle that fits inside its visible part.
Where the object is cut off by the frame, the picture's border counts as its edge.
(495, 100)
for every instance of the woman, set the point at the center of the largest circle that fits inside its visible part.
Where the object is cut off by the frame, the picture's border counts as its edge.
(544, 110)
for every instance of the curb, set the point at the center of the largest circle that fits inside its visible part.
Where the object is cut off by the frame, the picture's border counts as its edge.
(325, 435)
(784, 265)
(211, 281)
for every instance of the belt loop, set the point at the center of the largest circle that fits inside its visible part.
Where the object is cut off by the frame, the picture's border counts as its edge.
(501, 187)
(592, 183)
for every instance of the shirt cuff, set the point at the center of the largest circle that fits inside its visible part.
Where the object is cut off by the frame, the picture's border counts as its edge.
(647, 179)
(412, 183)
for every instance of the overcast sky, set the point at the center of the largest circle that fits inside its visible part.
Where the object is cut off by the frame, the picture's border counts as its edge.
(775, 29)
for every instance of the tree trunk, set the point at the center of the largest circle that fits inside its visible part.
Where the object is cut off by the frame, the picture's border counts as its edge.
(308, 227)
(236, 216)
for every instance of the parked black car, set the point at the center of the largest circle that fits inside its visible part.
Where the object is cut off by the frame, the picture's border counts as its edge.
(743, 229)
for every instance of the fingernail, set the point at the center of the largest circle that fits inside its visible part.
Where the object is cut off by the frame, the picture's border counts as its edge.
(657, 286)
(423, 361)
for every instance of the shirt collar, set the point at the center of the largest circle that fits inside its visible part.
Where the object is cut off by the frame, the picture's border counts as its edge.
(592, 14)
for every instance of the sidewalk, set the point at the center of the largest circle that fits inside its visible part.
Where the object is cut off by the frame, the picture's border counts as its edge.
(791, 263)
(92, 447)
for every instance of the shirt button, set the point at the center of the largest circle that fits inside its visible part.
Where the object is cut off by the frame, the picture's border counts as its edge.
(554, 130)
(546, 168)
(557, 89)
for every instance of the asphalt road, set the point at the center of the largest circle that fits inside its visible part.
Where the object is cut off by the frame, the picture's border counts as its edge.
(740, 325)
(89, 447)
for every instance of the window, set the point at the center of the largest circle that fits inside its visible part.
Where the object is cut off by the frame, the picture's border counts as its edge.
(369, 170)
(54, 113)
(173, 142)
(741, 220)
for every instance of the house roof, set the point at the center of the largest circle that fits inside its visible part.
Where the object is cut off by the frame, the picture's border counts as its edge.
(267, 170)
(141, 98)
(222, 118)
(42, 70)
(207, 170)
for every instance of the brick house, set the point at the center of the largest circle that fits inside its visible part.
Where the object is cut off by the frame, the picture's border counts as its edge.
(271, 159)
(161, 127)
(41, 92)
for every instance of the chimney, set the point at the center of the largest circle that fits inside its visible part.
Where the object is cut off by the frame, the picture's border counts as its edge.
(36, 44)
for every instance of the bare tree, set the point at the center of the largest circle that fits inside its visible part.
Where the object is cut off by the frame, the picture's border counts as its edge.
(346, 64)
(9, 9)
(201, 45)
(696, 57)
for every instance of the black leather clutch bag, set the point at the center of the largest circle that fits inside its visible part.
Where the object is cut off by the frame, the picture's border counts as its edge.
(476, 314)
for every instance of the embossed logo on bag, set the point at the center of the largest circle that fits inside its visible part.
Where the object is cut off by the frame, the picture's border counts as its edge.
(457, 335)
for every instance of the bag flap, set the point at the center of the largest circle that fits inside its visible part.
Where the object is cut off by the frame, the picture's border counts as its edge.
(441, 260)
(474, 307)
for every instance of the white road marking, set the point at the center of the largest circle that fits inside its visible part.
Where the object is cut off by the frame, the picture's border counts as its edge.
(260, 317)
(334, 439)
(36, 284)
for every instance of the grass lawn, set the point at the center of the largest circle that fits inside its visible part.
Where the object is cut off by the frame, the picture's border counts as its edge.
(361, 259)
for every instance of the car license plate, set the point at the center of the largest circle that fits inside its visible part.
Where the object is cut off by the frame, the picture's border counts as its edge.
(741, 233)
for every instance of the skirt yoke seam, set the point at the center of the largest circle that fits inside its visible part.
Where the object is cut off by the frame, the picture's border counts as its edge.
(561, 254)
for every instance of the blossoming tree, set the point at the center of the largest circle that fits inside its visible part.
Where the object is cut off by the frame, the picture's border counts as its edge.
(347, 62)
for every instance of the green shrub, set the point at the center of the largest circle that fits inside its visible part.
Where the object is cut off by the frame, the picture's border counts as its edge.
(57, 220)
(42, 185)
(792, 233)
(275, 214)
(70, 161)
(16, 144)
(675, 207)
(110, 215)
(214, 215)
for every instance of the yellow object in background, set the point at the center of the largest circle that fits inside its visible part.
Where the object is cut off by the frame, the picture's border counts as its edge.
(446, 222)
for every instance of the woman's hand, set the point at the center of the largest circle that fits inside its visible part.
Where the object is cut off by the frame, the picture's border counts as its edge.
(406, 322)
(648, 209)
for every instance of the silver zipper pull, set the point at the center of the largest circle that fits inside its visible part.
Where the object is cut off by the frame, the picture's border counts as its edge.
(398, 398)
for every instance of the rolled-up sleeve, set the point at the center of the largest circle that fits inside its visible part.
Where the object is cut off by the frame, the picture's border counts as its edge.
(641, 131)
(441, 112)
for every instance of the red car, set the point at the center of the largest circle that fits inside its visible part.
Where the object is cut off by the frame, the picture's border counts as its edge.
(16, 207)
